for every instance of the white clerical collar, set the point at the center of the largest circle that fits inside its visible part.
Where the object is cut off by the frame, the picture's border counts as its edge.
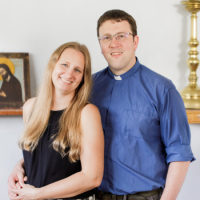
(118, 78)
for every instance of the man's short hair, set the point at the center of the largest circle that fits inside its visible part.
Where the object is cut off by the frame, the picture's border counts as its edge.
(118, 16)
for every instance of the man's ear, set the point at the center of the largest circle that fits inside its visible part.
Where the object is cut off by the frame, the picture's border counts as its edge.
(135, 41)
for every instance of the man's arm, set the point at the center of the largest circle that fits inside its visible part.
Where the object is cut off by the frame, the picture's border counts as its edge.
(175, 177)
(176, 136)
(17, 176)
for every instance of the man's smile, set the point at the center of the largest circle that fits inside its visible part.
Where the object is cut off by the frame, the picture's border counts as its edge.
(116, 53)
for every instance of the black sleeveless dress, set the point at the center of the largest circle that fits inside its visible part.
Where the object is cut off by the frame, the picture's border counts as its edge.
(45, 165)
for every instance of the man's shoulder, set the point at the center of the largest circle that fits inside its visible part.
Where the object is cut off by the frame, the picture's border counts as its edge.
(99, 74)
(153, 78)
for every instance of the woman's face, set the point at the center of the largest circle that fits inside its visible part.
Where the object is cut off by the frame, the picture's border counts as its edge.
(68, 71)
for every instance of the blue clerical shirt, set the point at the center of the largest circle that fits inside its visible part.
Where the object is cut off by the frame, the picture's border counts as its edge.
(145, 127)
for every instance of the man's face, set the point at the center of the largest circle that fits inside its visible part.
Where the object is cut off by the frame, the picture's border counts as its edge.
(3, 73)
(119, 55)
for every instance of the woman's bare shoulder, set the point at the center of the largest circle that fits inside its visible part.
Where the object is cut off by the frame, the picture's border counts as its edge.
(90, 110)
(27, 108)
(90, 117)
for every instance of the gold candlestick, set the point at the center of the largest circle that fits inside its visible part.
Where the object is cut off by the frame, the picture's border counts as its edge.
(191, 94)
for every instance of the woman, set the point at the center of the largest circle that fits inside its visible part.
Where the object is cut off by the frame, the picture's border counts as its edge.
(61, 127)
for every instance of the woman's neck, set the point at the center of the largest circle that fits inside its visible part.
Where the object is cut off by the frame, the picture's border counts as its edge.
(61, 100)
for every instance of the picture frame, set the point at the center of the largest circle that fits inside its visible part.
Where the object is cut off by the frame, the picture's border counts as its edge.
(14, 82)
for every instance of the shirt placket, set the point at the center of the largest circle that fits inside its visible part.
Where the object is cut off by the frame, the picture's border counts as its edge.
(114, 101)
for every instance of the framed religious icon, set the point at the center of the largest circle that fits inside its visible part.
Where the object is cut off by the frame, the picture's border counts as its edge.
(14, 82)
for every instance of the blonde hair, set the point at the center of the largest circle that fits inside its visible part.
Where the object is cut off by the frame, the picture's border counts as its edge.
(69, 134)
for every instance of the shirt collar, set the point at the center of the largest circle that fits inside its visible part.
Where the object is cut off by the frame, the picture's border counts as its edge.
(126, 74)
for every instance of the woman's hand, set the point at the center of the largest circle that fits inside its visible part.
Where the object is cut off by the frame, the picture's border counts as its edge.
(27, 192)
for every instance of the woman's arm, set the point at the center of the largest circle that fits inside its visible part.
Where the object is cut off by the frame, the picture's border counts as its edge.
(17, 176)
(92, 162)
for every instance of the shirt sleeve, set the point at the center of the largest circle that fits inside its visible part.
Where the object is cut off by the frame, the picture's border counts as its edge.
(175, 131)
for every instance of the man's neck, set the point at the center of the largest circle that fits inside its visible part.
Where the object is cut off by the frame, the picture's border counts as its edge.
(122, 71)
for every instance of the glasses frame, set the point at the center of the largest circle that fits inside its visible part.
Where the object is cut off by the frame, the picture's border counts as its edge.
(127, 34)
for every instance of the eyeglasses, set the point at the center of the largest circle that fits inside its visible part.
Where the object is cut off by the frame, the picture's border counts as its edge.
(120, 37)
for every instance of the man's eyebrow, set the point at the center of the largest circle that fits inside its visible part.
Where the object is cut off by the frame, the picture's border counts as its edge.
(115, 33)
(105, 34)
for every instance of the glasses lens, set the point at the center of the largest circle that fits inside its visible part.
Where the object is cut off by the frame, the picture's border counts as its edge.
(106, 38)
(121, 36)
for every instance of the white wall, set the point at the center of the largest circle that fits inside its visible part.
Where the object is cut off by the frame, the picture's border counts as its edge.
(39, 27)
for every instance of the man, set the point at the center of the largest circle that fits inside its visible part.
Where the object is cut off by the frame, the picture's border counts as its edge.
(11, 88)
(147, 137)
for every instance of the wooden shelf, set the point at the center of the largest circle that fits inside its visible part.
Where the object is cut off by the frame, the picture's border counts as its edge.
(193, 116)
(11, 112)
